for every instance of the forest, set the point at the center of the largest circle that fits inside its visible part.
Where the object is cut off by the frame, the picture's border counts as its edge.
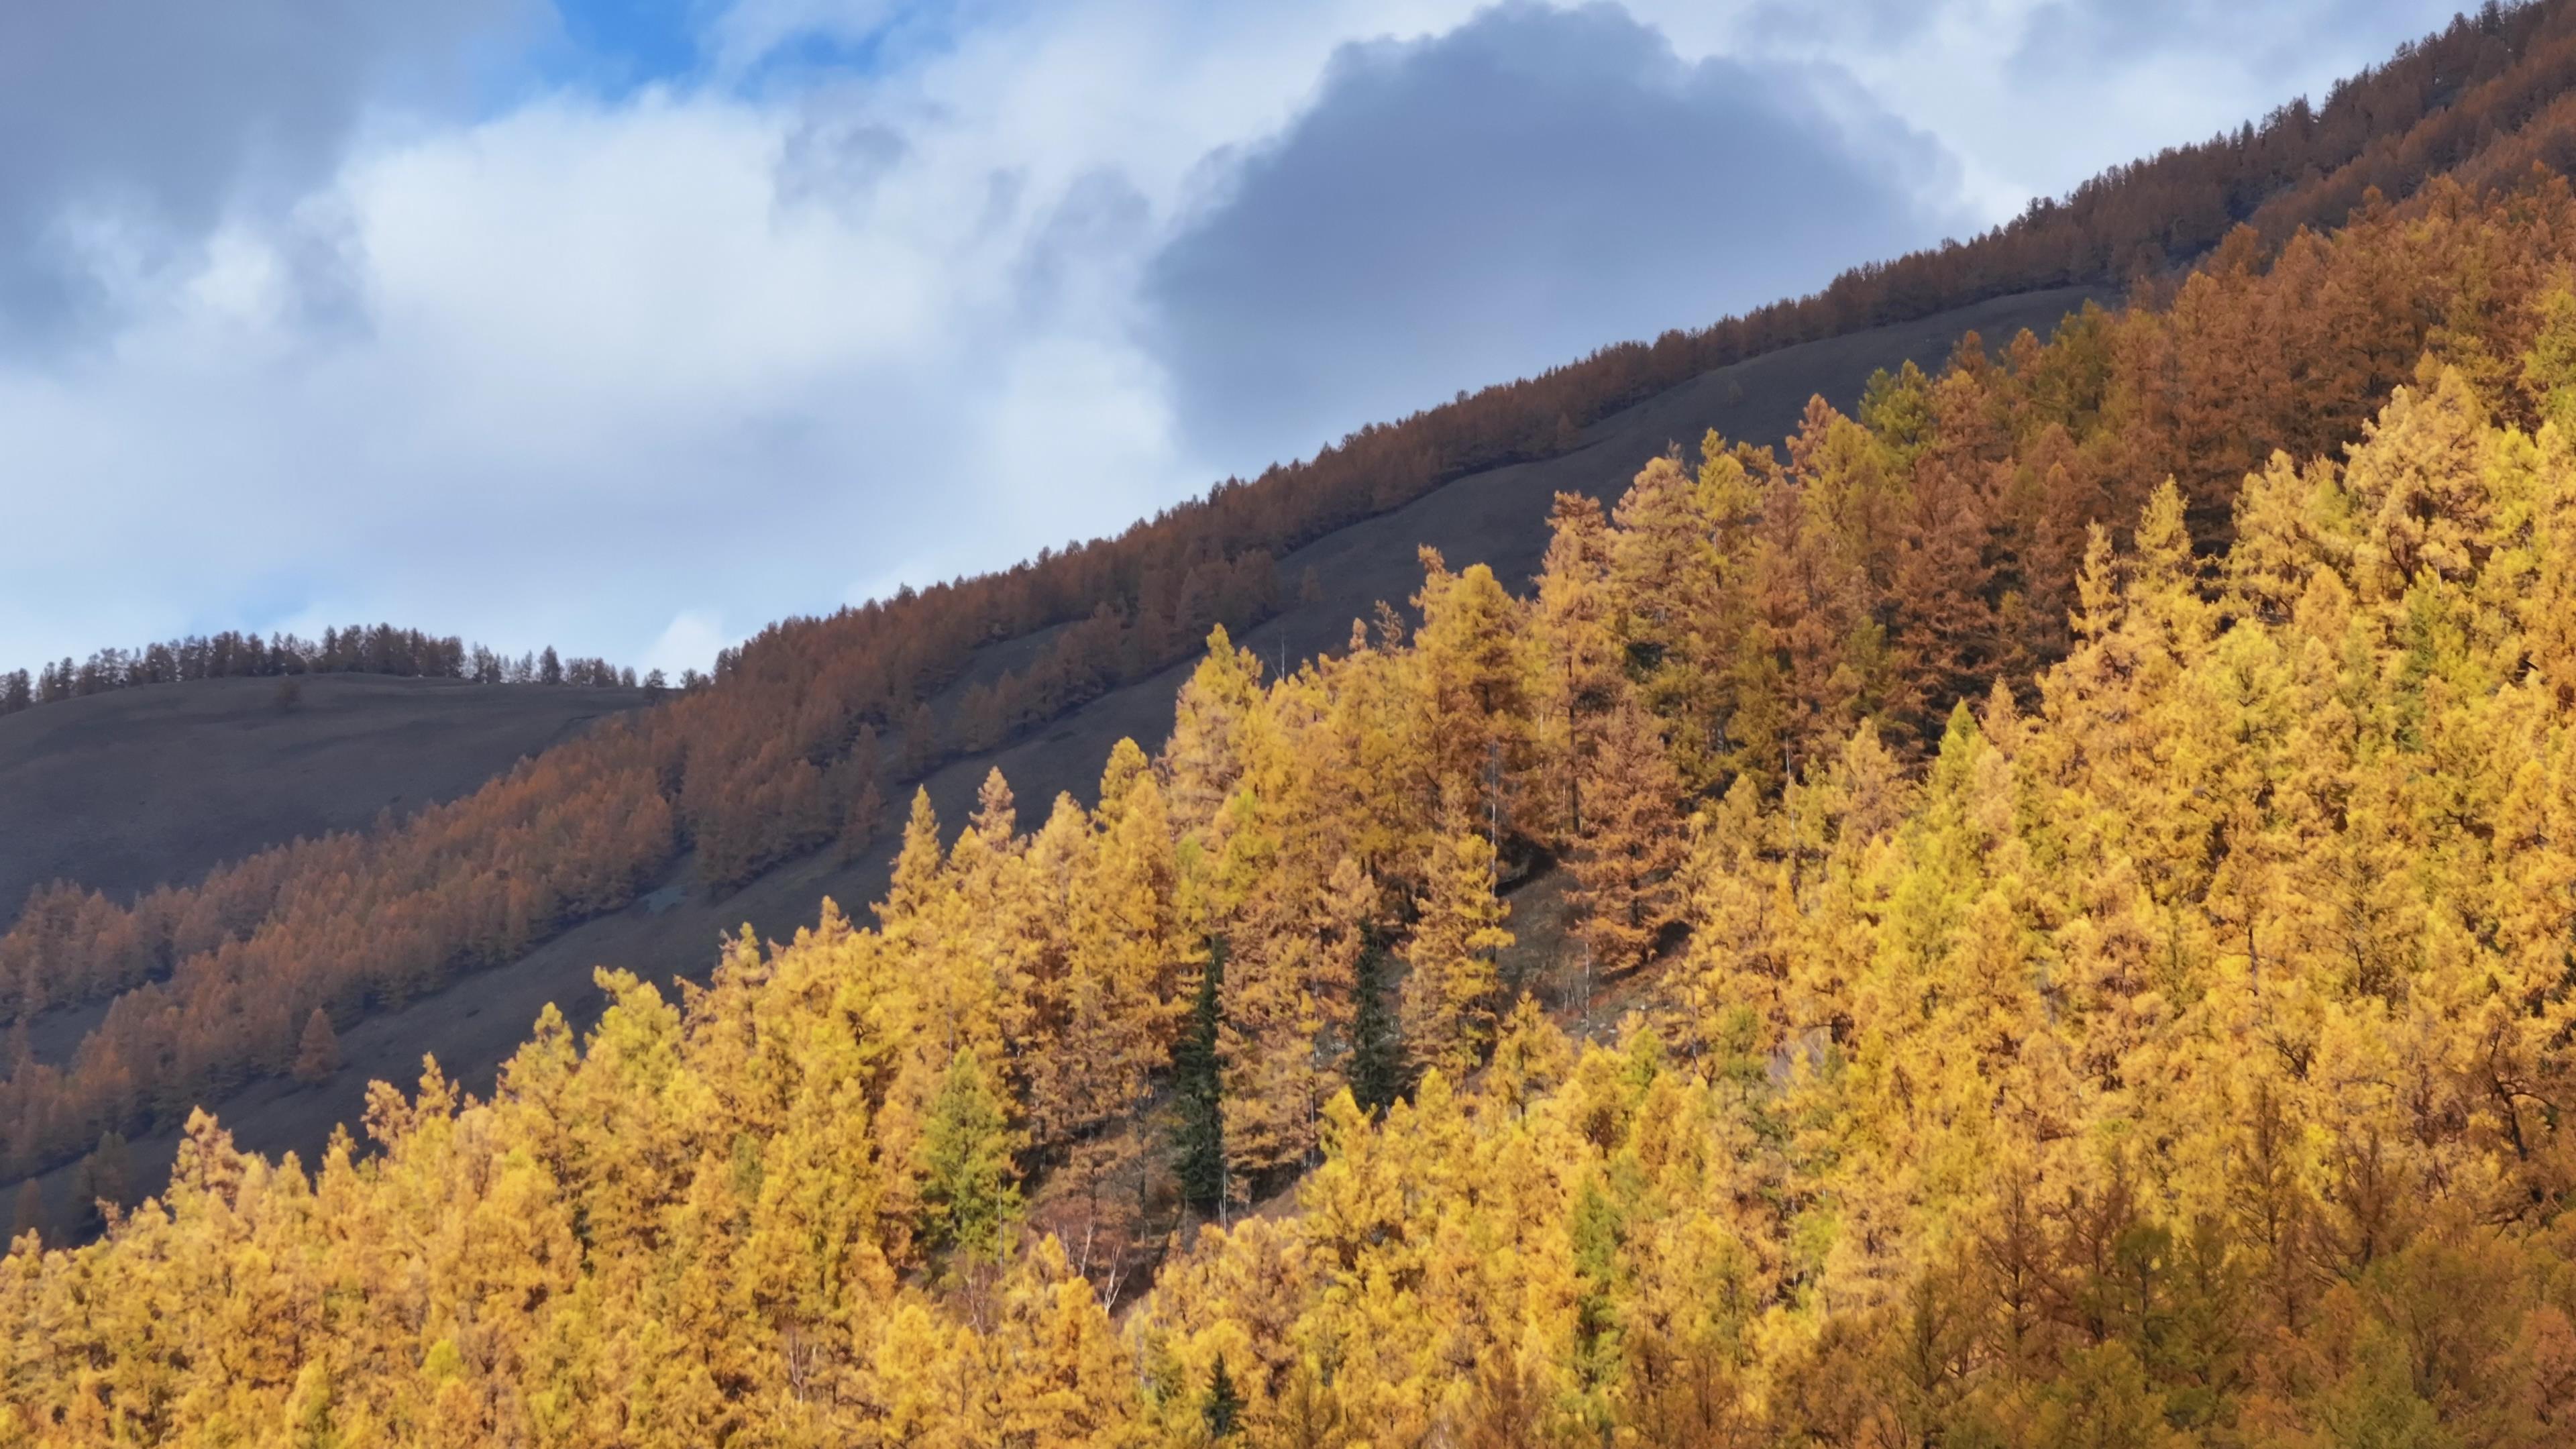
(801, 737)
(2053, 899)
(2069, 876)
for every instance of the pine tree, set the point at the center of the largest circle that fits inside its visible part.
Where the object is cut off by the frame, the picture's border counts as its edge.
(859, 822)
(998, 923)
(1377, 1074)
(969, 1192)
(1222, 1409)
(2548, 374)
(103, 1180)
(911, 895)
(1207, 750)
(1944, 634)
(1532, 1057)
(1287, 1012)
(1664, 560)
(2180, 1060)
(1121, 1004)
(1198, 1091)
(1474, 680)
(2422, 486)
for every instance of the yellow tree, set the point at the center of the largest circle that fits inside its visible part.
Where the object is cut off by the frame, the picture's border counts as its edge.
(317, 1055)
(1676, 572)
(1735, 894)
(1577, 655)
(1206, 752)
(1286, 1014)
(1120, 1009)
(1451, 991)
(1625, 856)
(1474, 687)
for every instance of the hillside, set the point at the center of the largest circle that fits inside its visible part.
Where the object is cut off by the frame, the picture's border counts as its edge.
(2281, 337)
(131, 789)
(1497, 517)
(2091, 982)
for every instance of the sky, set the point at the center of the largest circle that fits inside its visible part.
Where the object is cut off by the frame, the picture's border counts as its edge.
(630, 326)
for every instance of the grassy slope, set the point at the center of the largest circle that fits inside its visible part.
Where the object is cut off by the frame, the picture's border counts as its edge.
(143, 787)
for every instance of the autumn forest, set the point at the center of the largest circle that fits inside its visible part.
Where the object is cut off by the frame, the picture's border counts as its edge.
(2039, 910)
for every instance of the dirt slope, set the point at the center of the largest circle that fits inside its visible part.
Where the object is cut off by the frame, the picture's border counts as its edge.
(1497, 517)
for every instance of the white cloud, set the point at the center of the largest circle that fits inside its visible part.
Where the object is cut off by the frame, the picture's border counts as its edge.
(717, 352)
(691, 641)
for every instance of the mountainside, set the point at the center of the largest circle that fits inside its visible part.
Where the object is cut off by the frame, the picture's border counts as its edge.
(1864, 891)
(2080, 845)
(131, 789)
(813, 729)
(1497, 518)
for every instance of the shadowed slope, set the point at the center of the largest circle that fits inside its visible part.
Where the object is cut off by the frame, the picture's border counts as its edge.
(135, 788)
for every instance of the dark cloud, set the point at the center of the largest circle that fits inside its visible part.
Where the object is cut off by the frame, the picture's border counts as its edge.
(132, 125)
(1503, 198)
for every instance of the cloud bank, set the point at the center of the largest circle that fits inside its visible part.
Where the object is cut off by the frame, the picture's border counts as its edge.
(631, 328)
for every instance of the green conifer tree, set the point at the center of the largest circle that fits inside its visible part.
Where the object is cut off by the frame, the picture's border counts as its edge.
(1377, 1039)
(969, 1193)
(1198, 1091)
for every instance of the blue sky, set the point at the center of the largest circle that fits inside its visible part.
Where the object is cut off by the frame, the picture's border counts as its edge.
(631, 327)
(613, 48)
(619, 44)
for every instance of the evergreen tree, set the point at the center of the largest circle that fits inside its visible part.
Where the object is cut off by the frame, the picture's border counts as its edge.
(1377, 1073)
(969, 1192)
(2174, 1052)
(1222, 1409)
(1198, 1105)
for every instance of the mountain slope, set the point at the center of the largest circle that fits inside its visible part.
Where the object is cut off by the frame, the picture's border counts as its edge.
(1497, 517)
(2164, 1045)
(813, 716)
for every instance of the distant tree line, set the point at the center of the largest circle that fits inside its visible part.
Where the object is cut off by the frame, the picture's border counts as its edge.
(358, 649)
